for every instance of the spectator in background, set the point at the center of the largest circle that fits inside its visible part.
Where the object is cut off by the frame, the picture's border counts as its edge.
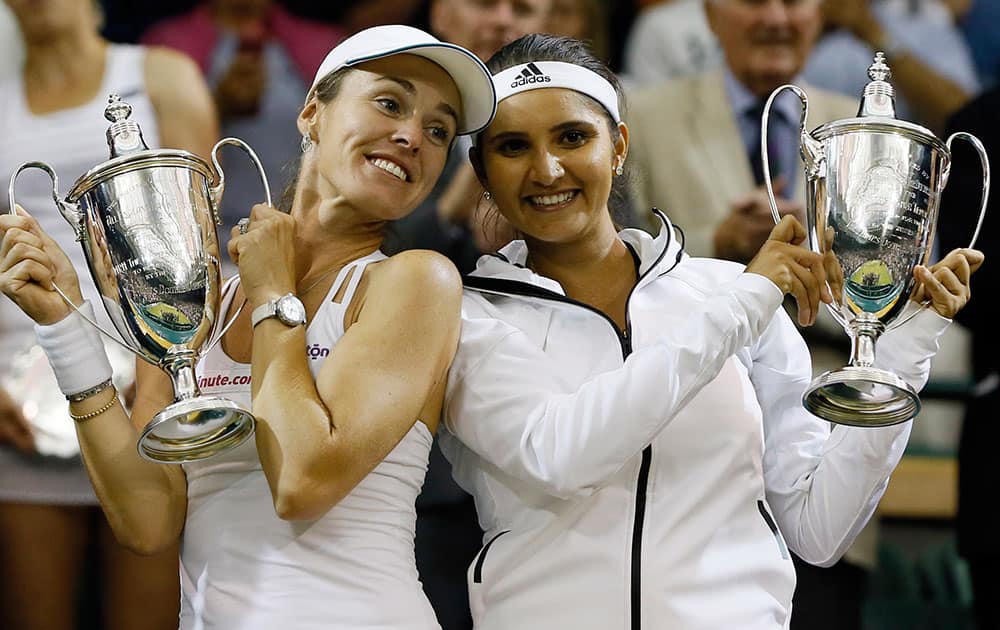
(585, 20)
(673, 40)
(670, 40)
(258, 58)
(50, 522)
(977, 523)
(931, 80)
(446, 514)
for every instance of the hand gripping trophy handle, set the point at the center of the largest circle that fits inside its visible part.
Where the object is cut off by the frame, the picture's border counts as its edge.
(984, 159)
(216, 192)
(74, 216)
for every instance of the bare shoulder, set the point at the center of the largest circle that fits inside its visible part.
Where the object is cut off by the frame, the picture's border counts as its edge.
(167, 69)
(419, 271)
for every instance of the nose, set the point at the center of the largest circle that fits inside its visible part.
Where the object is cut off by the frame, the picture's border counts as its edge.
(546, 168)
(774, 11)
(409, 133)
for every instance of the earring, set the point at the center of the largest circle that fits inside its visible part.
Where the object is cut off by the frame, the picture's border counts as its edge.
(619, 170)
(487, 195)
(307, 143)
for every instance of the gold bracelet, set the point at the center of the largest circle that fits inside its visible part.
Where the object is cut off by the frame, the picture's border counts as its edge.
(87, 416)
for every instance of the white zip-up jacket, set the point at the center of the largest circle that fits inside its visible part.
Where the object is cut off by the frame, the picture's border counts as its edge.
(652, 479)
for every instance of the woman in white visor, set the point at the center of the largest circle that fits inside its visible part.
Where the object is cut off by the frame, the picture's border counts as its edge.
(628, 418)
(311, 524)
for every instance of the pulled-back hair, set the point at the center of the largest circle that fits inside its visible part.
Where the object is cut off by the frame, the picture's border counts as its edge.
(326, 90)
(543, 47)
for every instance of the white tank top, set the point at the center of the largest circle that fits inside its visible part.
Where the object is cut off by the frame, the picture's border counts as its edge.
(71, 141)
(243, 567)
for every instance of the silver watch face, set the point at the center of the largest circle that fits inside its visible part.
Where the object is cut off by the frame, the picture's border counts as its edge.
(290, 310)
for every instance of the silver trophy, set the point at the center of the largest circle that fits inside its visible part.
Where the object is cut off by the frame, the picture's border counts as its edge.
(873, 186)
(147, 222)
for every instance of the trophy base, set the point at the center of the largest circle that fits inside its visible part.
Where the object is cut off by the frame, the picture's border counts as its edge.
(861, 397)
(195, 429)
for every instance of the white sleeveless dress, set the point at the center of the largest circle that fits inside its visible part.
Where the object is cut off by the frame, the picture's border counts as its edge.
(71, 141)
(244, 568)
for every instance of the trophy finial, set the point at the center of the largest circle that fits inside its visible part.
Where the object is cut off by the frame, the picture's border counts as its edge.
(879, 98)
(117, 109)
(124, 135)
(879, 70)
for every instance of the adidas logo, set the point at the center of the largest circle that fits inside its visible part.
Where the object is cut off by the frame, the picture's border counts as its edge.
(531, 74)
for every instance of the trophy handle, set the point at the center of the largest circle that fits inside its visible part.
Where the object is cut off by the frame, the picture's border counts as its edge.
(812, 153)
(984, 158)
(74, 216)
(70, 211)
(218, 188)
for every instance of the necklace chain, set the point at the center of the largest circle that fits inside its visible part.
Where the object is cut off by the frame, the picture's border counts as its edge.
(320, 278)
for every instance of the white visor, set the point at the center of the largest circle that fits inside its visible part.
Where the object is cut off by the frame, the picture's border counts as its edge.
(557, 74)
(466, 70)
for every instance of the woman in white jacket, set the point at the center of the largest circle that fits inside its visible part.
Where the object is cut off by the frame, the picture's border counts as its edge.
(628, 418)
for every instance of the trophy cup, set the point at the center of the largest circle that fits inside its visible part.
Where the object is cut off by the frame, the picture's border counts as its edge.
(147, 222)
(873, 186)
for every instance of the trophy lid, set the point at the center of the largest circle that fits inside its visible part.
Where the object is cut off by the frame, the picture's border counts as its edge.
(129, 152)
(877, 112)
(879, 97)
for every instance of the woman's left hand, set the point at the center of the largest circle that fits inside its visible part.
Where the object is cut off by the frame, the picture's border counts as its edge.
(946, 283)
(265, 254)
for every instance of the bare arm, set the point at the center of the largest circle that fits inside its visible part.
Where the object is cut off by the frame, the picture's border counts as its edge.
(185, 112)
(318, 438)
(145, 503)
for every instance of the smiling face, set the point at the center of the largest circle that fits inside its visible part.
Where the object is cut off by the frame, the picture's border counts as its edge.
(381, 143)
(548, 159)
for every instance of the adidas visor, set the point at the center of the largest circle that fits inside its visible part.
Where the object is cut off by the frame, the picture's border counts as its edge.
(557, 74)
(469, 73)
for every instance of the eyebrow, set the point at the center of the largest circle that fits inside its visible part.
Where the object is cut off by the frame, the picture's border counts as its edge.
(443, 107)
(569, 124)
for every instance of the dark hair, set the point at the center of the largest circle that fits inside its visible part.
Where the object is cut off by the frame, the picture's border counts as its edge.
(542, 47)
(326, 90)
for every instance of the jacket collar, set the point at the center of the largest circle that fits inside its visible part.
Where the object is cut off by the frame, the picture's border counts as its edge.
(657, 256)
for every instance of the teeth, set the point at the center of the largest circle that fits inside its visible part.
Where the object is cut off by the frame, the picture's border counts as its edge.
(552, 200)
(390, 167)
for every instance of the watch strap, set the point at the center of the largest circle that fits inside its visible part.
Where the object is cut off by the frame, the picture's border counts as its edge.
(264, 311)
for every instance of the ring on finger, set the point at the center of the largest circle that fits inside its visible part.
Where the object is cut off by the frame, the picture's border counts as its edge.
(243, 225)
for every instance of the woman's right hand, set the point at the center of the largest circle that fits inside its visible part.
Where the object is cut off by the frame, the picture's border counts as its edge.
(796, 270)
(31, 263)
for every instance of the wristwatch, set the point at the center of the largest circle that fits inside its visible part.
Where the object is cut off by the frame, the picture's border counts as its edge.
(288, 309)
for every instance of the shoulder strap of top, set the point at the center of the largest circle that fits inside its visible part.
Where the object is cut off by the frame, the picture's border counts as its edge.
(125, 70)
(227, 295)
(352, 285)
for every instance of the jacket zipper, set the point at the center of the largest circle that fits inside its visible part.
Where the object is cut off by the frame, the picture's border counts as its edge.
(504, 286)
